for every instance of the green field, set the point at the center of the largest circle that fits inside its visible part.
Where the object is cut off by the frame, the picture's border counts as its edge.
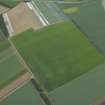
(10, 3)
(69, 4)
(85, 90)
(10, 68)
(71, 10)
(27, 95)
(91, 20)
(51, 12)
(3, 29)
(4, 45)
(57, 54)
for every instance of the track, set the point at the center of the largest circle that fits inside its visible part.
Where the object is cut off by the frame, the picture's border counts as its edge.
(19, 57)
(34, 80)
(5, 92)
(76, 2)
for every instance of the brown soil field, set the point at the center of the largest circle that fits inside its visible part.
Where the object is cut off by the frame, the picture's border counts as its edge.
(22, 18)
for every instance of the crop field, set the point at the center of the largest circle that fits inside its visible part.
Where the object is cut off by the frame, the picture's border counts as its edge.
(26, 95)
(88, 89)
(3, 29)
(28, 19)
(71, 10)
(10, 3)
(4, 45)
(69, 4)
(10, 68)
(57, 54)
(91, 21)
(50, 11)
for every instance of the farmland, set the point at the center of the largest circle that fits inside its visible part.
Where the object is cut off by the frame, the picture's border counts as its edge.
(3, 29)
(9, 3)
(74, 4)
(27, 95)
(49, 11)
(4, 45)
(54, 53)
(28, 19)
(10, 68)
(1, 35)
(88, 89)
(55, 57)
(94, 16)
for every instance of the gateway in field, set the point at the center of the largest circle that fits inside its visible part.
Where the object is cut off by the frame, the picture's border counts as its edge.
(3, 9)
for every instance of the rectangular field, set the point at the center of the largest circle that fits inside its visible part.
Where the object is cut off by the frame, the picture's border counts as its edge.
(91, 21)
(3, 29)
(29, 19)
(49, 10)
(27, 95)
(88, 89)
(4, 45)
(57, 54)
(10, 67)
(10, 3)
(1, 36)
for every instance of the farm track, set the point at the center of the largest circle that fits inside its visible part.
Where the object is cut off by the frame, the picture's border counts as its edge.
(33, 79)
(69, 4)
(77, 2)
(14, 86)
(3, 9)
(21, 60)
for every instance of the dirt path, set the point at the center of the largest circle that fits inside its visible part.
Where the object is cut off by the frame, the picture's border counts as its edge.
(20, 81)
(14, 85)
(3, 9)
(35, 82)
(19, 57)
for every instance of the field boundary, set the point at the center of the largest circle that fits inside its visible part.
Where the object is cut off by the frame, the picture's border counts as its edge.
(3, 29)
(93, 44)
(19, 57)
(43, 21)
(40, 13)
(34, 79)
(5, 5)
(16, 84)
(8, 24)
(42, 92)
(8, 5)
